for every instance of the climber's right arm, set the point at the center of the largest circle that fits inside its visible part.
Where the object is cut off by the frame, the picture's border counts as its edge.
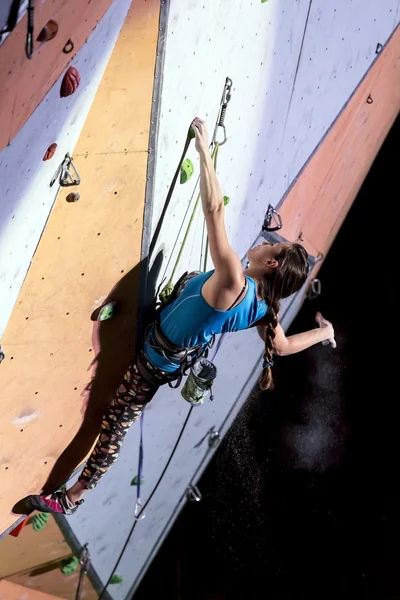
(228, 267)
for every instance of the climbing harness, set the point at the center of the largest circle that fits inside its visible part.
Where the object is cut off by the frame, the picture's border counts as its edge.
(66, 173)
(272, 220)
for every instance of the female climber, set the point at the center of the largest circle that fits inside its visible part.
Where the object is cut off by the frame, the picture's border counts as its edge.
(225, 299)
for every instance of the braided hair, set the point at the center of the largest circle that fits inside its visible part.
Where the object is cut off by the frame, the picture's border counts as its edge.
(283, 281)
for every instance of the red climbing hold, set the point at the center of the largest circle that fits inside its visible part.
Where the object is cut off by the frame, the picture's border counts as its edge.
(51, 150)
(70, 82)
(17, 530)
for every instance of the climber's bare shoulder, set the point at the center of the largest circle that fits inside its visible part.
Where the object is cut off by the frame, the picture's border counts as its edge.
(225, 284)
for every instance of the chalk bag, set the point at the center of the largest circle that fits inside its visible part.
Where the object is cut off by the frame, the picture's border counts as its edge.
(199, 382)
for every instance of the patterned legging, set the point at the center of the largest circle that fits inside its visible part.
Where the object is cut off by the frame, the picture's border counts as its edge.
(125, 409)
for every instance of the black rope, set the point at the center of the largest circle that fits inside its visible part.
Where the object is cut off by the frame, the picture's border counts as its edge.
(297, 70)
(169, 196)
(147, 502)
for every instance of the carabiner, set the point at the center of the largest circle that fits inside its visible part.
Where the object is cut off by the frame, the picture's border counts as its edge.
(272, 214)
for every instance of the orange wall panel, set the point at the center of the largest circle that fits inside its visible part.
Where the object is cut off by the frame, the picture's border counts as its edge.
(26, 82)
(13, 591)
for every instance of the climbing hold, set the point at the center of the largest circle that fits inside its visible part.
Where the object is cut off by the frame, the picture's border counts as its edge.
(50, 152)
(17, 530)
(186, 170)
(69, 565)
(135, 480)
(70, 82)
(263, 1)
(107, 311)
(379, 48)
(116, 579)
(73, 197)
(69, 46)
(226, 200)
(40, 520)
(192, 133)
(165, 293)
(48, 32)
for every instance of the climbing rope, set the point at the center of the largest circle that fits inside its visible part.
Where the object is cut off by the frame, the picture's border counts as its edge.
(143, 508)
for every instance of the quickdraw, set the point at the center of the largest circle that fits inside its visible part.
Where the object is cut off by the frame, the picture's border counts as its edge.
(66, 173)
(84, 561)
(272, 220)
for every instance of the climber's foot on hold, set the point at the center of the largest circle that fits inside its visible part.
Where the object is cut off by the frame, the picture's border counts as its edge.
(56, 503)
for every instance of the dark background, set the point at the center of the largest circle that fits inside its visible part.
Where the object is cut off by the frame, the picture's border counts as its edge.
(301, 499)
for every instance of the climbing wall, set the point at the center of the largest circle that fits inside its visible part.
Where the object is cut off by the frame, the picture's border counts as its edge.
(70, 364)
(27, 200)
(300, 94)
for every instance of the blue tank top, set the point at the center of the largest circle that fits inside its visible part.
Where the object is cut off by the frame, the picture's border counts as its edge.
(190, 321)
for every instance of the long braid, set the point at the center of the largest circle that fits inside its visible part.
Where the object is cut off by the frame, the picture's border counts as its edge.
(266, 380)
(280, 282)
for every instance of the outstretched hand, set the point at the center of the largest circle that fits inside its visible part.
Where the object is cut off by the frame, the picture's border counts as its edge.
(201, 133)
(330, 333)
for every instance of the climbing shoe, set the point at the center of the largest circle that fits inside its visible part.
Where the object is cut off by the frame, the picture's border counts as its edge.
(57, 503)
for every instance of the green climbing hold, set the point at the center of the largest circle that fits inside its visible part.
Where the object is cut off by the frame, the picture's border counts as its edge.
(69, 565)
(226, 200)
(135, 480)
(263, 1)
(107, 311)
(192, 133)
(186, 170)
(166, 292)
(116, 579)
(40, 520)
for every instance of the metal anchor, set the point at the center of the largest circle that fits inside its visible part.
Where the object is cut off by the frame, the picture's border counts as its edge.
(193, 493)
(314, 289)
(66, 173)
(213, 436)
(272, 216)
